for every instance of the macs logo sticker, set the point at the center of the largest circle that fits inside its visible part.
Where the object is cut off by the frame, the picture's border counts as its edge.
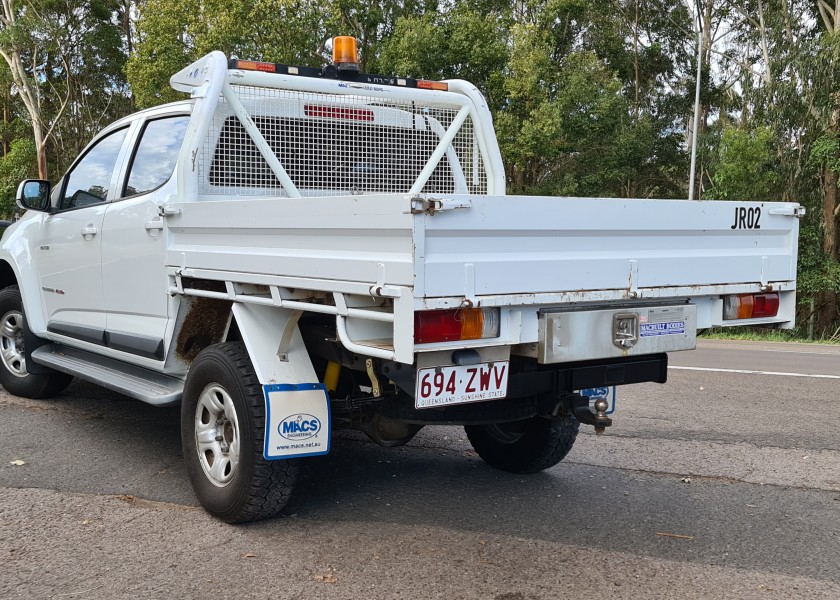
(299, 427)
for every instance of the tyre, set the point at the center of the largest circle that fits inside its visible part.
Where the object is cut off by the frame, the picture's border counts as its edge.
(13, 374)
(527, 446)
(222, 436)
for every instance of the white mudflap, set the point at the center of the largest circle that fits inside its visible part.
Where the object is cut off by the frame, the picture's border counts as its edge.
(297, 420)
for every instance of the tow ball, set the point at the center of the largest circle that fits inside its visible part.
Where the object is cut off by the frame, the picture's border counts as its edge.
(583, 413)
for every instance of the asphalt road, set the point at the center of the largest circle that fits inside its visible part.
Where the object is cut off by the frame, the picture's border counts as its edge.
(722, 483)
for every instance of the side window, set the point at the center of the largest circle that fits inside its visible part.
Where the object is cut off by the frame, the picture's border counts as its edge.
(90, 179)
(156, 154)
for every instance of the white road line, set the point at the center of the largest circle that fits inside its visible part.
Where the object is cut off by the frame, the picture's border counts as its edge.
(750, 372)
(800, 352)
(732, 348)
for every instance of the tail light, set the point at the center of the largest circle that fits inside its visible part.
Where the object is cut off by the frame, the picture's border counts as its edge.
(457, 324)
(750, 306)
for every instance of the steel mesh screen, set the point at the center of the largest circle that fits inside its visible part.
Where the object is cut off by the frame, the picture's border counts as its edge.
(337, 145)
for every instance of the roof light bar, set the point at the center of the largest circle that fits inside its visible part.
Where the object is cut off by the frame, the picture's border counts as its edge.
(341, 71)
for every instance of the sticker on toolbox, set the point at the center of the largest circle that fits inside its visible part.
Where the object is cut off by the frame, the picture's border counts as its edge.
(654, 329)
(607, 393)
(297, 420)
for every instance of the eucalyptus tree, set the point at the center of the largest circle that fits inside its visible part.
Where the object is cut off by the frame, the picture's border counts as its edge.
(825, 152)
(65, 58)
(26, 40)
(17, 149)
(777, 136)
(89, 42)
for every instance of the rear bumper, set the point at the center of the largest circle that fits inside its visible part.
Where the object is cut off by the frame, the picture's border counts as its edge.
(568, 377)
(534, 390)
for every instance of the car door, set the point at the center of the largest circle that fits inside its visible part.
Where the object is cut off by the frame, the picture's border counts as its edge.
(133, 276)
(69, 258)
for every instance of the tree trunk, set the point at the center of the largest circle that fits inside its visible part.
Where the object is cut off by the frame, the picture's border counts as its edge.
(7, 101)
(40, 149)
(636, 82)
(41, 152)
(827, 312)
(829, 219)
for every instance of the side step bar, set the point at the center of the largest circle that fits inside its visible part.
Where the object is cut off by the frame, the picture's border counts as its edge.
(131, 380)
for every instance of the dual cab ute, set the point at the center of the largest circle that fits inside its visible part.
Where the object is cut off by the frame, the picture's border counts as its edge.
(294, 251)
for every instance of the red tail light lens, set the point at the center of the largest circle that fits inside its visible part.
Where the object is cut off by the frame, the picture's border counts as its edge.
(432, 326)
(765, 305)
(750, 306)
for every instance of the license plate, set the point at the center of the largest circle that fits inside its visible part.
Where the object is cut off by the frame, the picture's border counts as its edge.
(608, 393)
(442, 386)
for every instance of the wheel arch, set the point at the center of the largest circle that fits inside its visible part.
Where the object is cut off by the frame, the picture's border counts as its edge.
(270, 334)
(18, 264)
(7, 274)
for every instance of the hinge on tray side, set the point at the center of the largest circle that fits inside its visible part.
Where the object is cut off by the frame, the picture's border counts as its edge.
(789, 211)
(430, 206)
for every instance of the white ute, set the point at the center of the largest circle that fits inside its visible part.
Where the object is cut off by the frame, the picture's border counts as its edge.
(293, 251)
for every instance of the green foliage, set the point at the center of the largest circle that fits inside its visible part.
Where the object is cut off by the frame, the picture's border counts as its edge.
(459, 44)
(764, 334)
(173, 33)
(817, 272)
(745, 169)
(164, 47)
(826, 151)
(565, 143)
(18, 164)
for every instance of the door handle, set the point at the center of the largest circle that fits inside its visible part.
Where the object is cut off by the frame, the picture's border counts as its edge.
(154, 227)
(89, 231)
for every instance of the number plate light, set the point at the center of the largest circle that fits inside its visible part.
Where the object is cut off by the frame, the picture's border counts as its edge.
(452, 325)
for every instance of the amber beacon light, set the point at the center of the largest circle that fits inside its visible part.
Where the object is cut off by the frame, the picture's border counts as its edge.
(345, 55)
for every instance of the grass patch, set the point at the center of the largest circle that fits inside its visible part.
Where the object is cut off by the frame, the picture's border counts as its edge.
(764, 334)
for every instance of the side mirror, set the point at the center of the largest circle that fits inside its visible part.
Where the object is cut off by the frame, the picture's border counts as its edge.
(34, 194)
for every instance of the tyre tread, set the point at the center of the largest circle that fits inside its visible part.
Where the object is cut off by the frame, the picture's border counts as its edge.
(544, 445)
(272, 481)
(38, 386)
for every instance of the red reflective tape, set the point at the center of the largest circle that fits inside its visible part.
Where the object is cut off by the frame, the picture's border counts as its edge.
(338, 112)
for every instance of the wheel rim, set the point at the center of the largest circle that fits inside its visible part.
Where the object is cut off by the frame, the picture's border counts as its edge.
(11, 343)
(507, 433)
(217, 435)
